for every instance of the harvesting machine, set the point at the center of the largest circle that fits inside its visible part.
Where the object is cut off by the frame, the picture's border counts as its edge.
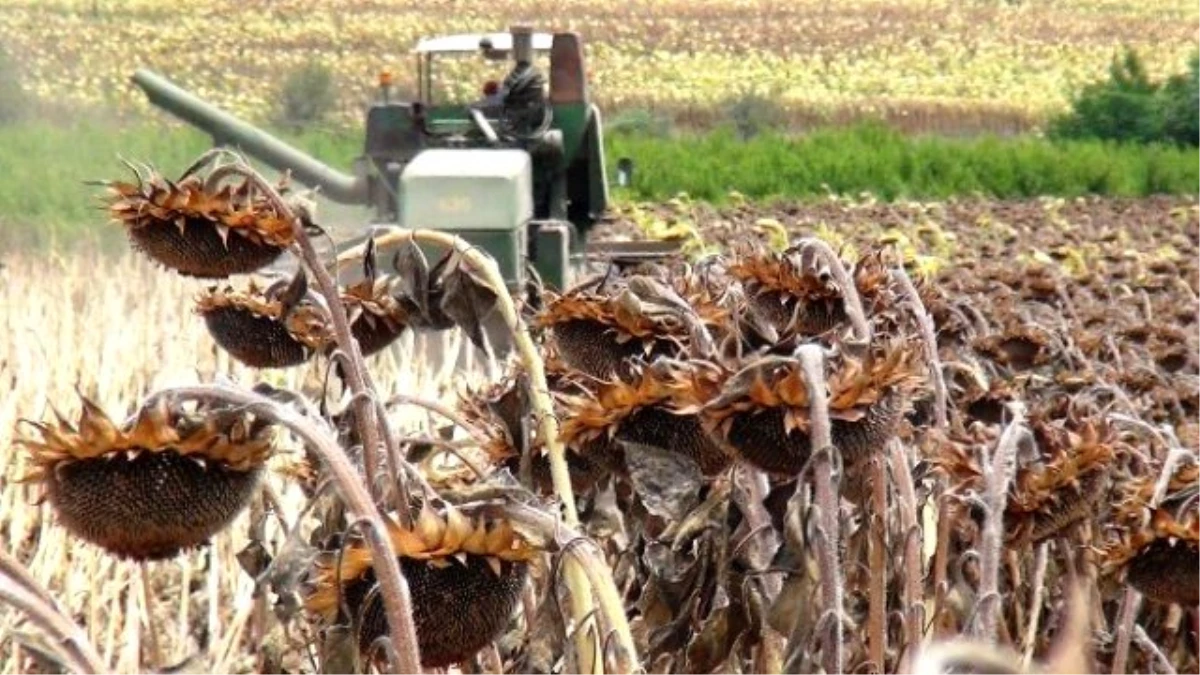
(520, 174)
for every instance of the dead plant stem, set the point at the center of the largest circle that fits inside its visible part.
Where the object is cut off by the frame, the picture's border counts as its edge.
(1128, 612)
(812, 360)
(877, 600)
(1035, 602)
(17, 588)
(913, 574)
(850, 298)
(543, 411)
(397, 601)
(998, 473)
(928, 343)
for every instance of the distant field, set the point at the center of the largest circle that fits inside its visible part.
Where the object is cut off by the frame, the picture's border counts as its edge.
(943, 65)
(48, 201)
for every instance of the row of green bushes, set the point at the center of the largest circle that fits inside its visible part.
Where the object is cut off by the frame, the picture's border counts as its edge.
(872, 158)
(1130, 106)
(44, 169)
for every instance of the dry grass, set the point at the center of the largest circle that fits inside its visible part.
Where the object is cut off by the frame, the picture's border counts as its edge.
(118, 328)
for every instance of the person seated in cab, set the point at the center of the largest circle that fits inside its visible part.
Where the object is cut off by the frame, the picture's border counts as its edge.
(492, 98)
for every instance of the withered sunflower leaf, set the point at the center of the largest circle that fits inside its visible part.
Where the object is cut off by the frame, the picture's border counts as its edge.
(254, 558)
(295, 291)
(711, 644)
(469, 302)
(370, 264)
(412, 271)
(667, 483)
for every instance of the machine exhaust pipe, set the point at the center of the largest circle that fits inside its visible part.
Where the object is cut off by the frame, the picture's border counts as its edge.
(522, 43)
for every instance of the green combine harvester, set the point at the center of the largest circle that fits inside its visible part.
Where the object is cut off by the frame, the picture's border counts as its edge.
(520, 173)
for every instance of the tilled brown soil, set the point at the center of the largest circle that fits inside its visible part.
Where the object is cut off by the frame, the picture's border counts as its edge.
(1078, 316)
(1141, 224)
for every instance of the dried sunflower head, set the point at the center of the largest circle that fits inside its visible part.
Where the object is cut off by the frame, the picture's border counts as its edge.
(1160, 558)
(464, 573)
(599, 328)
(499, 414)
(166, 480)
(200, 228)
(799, 295)
(376, 318)
(762, 411)
(280, 326)
(1017, 345)
(1064, 483)
(646, 409)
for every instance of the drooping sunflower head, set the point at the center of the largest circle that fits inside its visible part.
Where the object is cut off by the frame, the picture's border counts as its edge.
(600, 327)
(1156, 551)
(762, 412)
(464, 571)
(1061, 480)
(797, 293)
(376, 318)
(279, 326)
(656, 406)
(500, 415)
(1065, 485)
(200, 228)
(1017, 346)
(166, 480)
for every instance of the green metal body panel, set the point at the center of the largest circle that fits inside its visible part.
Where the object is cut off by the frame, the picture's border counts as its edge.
(483, 196)
(571, 119)
(506, 247)
(553, 264)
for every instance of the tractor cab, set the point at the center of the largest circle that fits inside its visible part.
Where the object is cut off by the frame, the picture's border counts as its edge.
(474, 69)
(499, 122)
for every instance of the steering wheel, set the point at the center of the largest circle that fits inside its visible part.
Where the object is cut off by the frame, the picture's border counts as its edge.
(484, 125)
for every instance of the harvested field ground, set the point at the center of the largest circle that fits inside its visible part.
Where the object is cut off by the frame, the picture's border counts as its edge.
(1077, 318)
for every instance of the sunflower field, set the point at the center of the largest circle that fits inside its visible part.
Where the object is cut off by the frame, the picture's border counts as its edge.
(926, 64)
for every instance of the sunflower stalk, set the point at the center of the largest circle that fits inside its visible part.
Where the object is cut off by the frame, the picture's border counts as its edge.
(877, 554)
(361, 387)
(851, 301)
(928, 343)
(912, 595)
(998, 475)
(812, 360)
(1035, 602)
(578, 581)
(549, 531)
(19, 589)
(397, 600)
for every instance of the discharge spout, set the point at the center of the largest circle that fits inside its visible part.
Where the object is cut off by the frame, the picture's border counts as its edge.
(228, 130)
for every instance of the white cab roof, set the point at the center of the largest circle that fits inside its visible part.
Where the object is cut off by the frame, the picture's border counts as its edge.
(469, 42)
